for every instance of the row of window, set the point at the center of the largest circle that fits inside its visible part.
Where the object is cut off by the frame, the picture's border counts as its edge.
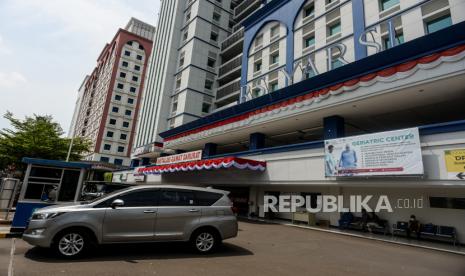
(123, 76)
(130, 43)
(122, 136)
(119, 97)
(117, 161)
(108, 147)
(127, 112)
(132, 89)
(126, 64)
(128, 54)
(113, 123)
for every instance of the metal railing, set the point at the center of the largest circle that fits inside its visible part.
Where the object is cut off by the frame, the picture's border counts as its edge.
(244, 6)
(232, 39)
(230, 65)
(228, 89)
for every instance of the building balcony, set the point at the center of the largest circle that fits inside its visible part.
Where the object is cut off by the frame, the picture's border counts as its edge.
(232, 46)
(230, 70)
(245, 9)
(228, 89)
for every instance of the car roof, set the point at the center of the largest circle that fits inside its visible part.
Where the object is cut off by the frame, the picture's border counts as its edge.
(182, 187)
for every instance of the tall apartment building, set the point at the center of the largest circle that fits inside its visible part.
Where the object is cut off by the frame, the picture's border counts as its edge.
(77, 107)
(198, 44)
(110, 95)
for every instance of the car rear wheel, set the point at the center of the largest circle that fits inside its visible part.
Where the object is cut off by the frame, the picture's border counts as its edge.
(71, 243)
(205, 241)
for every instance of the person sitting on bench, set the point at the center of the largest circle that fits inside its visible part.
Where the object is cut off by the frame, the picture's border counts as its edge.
(413, 226)
(374, 222)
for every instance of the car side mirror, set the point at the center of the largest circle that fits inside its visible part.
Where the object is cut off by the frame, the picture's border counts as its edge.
(117, 203)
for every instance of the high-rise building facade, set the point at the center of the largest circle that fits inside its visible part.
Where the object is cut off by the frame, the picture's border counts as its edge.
(198, 43)
(109, 98)
(340, 98)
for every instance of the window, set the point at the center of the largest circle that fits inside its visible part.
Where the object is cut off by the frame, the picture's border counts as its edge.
(206, 198)
(123, 136)
(120, 86)
(335, 29)
(181, 59)
(125, 124)
(213, 36)
(206, 107)
(128, 112)
(137, 67)
(188, 16)
(274, 86)
(129, 43)
(274, 31)
(447, 202)
(135, 78)
(110, 134)
(139, 57)
(258, 66)
(115, 109)
(310, 74)
(130, 100)
(122, 75)
(208, 84)
(186, 34)
(259, 41)
(141, 47)
(125, 64)
(104, 159)
(117, 97)
(174, 107)
(216, 17)
(309, 11)
(387, 41)
(176, 198)
(211, 62)
(112, 122)
(336, 64)
(120, 149)
(132, 89)
(387, 4)
(309, 41)
(438, 24)
(178, 83)
(118, 161)
(127, 53)
(275, 58)
(107, 147)
(142, 198)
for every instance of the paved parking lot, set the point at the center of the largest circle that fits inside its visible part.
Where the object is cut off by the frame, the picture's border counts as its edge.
(260, 249)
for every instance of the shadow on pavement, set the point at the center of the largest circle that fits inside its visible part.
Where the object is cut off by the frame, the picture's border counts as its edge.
(134, 252)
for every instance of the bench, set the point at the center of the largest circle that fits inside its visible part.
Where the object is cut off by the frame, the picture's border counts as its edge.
(438, 232)
(428, 231)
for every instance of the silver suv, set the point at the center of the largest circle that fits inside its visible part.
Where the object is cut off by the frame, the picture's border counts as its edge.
(202, 216)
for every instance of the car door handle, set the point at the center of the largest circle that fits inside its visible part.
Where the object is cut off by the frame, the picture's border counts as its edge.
(149, 211)
(194, 210)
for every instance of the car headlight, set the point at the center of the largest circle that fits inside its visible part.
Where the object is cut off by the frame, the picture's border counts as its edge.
(42, 216)
(37, 232)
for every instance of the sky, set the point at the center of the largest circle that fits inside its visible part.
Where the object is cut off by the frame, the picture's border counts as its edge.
(48, 46)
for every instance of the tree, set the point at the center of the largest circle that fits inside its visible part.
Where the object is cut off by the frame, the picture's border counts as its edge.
(36, 137)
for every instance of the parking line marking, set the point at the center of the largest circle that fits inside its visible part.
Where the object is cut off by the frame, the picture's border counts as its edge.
(12, 254)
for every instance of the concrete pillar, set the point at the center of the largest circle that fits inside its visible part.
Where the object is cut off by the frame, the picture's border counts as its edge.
(333, 127)
(256, 141)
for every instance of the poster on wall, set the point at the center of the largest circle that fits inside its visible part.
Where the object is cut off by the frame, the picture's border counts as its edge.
(455, 164)
(388, 153)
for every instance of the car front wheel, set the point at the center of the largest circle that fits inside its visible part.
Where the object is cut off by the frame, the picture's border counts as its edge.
(71, 244)
(205, 241)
